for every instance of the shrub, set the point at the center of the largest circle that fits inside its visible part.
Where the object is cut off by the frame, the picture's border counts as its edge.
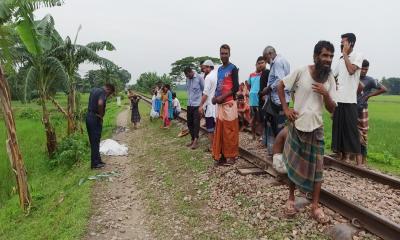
(28, 113)
(71, 150)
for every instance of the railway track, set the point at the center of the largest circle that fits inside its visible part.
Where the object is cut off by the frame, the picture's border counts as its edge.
(366, 198)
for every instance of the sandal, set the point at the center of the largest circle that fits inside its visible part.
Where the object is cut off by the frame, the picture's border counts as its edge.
(319, 216)
(290, 209)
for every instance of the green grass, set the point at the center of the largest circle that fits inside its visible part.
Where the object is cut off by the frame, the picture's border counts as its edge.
(383, 135)
(60, 208)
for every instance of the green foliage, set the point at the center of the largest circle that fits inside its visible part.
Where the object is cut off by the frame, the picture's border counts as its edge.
(147, 81)
(71, 150)
(28, 113)
(392, 85)
(107, 74)
(194, 62)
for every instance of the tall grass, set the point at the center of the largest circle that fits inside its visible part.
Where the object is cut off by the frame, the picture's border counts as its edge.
(60, 206)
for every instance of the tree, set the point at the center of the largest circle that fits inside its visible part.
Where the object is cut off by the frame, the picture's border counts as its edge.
(106, 74)
(72, 55)
(21, 11)
(148, 80)
(177, 67)
(44, 70)
(392, 84)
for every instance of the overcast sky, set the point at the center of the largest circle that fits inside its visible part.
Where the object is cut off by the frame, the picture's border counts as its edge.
(150, 35)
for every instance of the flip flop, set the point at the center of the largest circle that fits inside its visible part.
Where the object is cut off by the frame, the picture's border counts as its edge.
(290, 209)
(319, 216)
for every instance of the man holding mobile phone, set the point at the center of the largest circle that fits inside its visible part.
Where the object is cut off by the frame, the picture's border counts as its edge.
(345, 135)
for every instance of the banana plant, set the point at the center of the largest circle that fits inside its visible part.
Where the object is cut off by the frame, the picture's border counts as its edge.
(72, 55)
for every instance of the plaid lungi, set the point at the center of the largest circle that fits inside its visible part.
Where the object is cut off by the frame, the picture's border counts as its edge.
(363, 128)
(303, 155)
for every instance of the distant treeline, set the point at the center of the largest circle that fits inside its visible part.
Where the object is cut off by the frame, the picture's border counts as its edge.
(392, 84)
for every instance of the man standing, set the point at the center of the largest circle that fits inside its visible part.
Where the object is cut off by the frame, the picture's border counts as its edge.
(275, 117)
(210, 84)
(254, 83)
(345, 135)
(226, 137)
(94, 120)
(195, 87)
(314, 87)
(262, 96)
(371, 88)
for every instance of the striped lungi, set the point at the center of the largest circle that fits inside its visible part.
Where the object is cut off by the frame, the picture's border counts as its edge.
(303, 155)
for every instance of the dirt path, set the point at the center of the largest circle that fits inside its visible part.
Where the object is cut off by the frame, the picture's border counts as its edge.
(117, 212)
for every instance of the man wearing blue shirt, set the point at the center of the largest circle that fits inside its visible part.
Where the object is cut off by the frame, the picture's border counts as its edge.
(195, 88)
(279, 68)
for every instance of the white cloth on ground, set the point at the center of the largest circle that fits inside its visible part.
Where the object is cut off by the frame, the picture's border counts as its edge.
(111, 147)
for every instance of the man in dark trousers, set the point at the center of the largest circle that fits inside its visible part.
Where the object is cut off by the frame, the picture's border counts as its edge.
(195, 88)
(94, 121)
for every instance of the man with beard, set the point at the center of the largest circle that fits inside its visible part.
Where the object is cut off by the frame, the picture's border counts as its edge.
(275, 117)
(314, 87)
(226, 136)
(371, 88)
(345, 135)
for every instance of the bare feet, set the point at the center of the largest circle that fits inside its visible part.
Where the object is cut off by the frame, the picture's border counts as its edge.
(194, 144)
(319, 215)
(229, 162)
(290, 209)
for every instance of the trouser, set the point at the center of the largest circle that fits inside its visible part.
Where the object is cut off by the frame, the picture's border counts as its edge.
(193, 121)
(94, 128)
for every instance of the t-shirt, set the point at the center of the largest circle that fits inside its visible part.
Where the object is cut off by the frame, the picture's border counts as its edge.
(347, 84)
(254, 81)
(369, 84)
(228, 81)
(95, 95)
(176, 104)
(308, 104)
(210, 84)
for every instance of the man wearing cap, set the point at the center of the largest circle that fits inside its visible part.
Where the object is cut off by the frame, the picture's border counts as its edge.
(195, 87)
(207, 109)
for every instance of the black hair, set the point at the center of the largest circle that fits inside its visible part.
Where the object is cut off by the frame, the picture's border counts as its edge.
(225, 46)
(187, 70)
(365, 63)
(202, 61)
(351, 37)
(110, 86)
(260, 58)
(174, 95)
(212, 67)
(321, 45)
(167, 86)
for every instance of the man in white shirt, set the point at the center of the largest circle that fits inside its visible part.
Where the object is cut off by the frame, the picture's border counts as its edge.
(345, 135)
(313, 88)
(207, 109)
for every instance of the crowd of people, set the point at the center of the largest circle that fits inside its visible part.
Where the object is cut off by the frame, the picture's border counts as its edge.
(293, 136)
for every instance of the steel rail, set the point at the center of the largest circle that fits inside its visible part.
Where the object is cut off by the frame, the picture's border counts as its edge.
(358, 215)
